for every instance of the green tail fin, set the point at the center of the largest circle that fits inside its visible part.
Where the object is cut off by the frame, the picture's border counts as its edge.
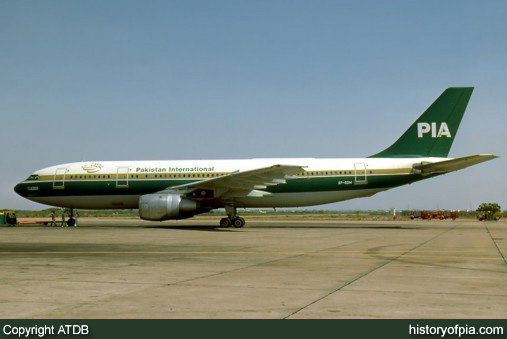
(433, 133)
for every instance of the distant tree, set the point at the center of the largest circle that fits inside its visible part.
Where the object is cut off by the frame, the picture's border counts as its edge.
(489, 207)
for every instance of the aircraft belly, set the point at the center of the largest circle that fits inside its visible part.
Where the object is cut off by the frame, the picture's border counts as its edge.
(271, 200)
(305, 199)
(91, 202)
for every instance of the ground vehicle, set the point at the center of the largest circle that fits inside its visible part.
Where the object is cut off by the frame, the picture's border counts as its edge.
(451, 214)
(426, 215)
(8, 217)
(437, 215)
(420, 214)
(490, 216)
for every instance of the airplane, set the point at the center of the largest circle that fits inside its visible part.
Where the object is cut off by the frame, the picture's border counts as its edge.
(164, 190)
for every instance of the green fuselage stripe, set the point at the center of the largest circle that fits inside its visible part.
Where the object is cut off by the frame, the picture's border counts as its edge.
(140, 186)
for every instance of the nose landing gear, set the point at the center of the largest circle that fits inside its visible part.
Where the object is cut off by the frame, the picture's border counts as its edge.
(72, 221)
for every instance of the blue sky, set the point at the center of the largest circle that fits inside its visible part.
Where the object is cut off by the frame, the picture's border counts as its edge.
(120, 80)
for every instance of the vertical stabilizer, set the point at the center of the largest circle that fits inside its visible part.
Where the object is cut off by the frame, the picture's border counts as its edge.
(433, 133)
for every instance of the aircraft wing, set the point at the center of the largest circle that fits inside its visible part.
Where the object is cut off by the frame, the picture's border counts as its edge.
(244, 181)
(453, 164)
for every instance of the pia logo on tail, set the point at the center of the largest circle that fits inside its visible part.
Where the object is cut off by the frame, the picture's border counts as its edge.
(425, 127)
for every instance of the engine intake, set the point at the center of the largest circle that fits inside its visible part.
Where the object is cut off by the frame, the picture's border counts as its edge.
(166, 206)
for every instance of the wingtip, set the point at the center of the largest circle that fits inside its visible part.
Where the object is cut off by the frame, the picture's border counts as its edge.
(492, 156)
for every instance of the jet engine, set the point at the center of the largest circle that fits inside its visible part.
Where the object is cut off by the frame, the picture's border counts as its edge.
(166, 206)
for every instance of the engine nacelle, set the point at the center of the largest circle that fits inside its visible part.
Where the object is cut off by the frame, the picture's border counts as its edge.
(165, 206)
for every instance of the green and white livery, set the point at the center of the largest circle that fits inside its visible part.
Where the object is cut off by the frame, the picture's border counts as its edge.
(164, 190)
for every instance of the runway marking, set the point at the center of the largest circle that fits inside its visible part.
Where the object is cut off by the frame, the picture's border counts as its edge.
(386, 262)
(298, 254)
(383, 255)
(494, 242)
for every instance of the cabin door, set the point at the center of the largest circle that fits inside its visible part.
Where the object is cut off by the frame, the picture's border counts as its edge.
(59, 179)
(360, 176)
(122, 177)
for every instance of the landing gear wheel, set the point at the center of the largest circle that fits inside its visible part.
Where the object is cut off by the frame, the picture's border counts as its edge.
(225, 222)
(71, 222)
(238, 222)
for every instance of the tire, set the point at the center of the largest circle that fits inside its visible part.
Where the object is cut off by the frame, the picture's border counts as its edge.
(71, 222)
(238, 223)
(225, 222)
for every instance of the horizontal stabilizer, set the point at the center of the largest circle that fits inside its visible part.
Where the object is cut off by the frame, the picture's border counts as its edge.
(453, 164)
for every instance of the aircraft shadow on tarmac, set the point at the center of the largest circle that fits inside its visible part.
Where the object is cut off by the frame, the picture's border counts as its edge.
(207, 228)
(212, 228)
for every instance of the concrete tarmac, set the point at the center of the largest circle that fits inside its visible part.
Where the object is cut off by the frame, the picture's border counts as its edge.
(271, 269)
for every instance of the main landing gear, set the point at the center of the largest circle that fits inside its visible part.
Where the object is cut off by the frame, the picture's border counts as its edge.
(232, 220)
(237, 222)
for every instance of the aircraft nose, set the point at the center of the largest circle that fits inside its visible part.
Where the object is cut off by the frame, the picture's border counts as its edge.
(18, 189)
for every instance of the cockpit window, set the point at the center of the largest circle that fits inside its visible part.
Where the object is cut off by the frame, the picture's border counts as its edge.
(33, 177)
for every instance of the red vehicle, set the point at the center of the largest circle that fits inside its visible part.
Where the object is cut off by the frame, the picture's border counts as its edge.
(426, 215)
(451, 214)
(420, 214)
(437, 215)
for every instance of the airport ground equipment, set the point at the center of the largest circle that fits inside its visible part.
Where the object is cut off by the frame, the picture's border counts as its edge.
(451, 214)
(3, 220)
(488, 216)
(428, 215)
(420, 214)
(8, 218)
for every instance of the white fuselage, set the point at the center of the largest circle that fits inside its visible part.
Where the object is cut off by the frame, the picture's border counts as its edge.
(123, 182)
